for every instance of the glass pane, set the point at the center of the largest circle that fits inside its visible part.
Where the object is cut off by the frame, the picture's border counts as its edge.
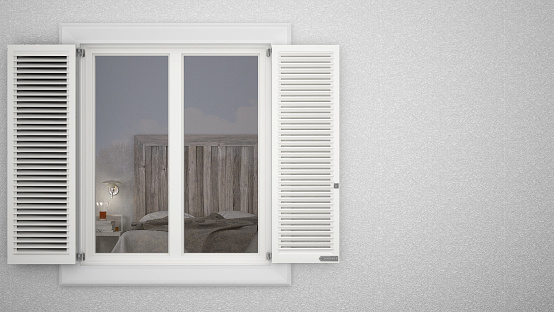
(131, 97)
(221, 136)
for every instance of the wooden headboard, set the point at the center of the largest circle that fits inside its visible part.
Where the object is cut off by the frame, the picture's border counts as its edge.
(221, 173)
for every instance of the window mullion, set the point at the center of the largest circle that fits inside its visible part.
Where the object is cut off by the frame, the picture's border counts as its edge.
(176, 152)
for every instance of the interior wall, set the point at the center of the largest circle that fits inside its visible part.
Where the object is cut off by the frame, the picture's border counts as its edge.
(131, 96)
(446, 155)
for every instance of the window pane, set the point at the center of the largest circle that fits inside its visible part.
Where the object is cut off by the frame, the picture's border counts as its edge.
(221, 137)
(131, 97)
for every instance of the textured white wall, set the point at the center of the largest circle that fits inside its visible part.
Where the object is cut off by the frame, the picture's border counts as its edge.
(447, 156)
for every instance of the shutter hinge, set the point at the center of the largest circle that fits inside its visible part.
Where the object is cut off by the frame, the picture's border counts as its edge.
(336, 185)
(329, 258)
(268, 53)
(81, 256)
(80, 52)
(268, 256)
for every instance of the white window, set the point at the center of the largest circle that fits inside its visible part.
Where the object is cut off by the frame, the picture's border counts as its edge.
(297, 154)
(217, 170)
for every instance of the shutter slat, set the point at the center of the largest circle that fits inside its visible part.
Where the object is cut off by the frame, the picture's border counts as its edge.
(305, 206)
(38, 64)
(305, 77)
(30, 59)
(34, 156)
(24, 114)
(39, 201)
(42, 195)
(29, 139)
(35, 110)
(285, 233)
(38, 234)
(24, 128)
(300, 229)
(35, 223)
(45, 212)
(304, 87)
(287, 188)
(42, 231)
(32, 161)
(45, 133)
(39, 165)
(35, 70)
(38, 80)
(34, 88)
(47, 246)
(21, 99)
(317, 104)
(41, 183)
(45, 144)
(40, 217)
(307, 65)
(27, 94)
(41, 240)
(41, 154)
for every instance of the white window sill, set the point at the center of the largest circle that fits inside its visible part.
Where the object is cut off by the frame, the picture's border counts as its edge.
(92, 275)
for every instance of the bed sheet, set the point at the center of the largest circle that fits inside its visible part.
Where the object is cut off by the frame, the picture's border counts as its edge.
(143, 241)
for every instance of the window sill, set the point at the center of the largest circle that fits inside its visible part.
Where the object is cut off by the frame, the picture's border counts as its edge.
(83, 275)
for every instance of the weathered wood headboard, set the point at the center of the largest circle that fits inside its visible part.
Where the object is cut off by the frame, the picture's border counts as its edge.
(220, 174)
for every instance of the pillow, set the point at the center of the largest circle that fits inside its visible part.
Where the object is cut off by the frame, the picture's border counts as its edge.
(159, 215)
(235, 214)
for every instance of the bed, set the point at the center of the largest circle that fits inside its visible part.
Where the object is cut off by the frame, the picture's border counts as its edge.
(220, 190)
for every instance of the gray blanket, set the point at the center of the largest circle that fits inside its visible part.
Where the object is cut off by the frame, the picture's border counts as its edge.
(211, 234)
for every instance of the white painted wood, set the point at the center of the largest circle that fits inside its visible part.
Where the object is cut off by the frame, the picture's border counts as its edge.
(176, 156)
(78, 34)
(41, 160)
(270, 275)
(264, 154)
(305, 153)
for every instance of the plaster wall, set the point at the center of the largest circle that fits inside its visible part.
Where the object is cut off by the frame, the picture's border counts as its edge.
(447, 141)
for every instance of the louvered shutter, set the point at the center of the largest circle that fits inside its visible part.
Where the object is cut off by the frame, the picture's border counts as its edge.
(41, 154)
(305, 154)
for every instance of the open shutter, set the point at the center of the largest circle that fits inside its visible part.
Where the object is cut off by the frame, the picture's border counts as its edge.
(41, 154)
(305, 154)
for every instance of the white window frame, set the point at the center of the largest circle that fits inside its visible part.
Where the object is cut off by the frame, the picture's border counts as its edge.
(175, 255)
(77, 34)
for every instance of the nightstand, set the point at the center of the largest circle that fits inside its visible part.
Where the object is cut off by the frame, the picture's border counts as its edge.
(116, 221)
(105, 241)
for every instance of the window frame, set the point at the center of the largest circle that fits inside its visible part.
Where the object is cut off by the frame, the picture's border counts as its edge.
(272, 274)
(175, 255)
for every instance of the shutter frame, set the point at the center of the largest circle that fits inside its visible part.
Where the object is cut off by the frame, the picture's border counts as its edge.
(41, 215)
(305, 123)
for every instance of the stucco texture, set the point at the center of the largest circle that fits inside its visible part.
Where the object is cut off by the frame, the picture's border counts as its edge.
(447, 132)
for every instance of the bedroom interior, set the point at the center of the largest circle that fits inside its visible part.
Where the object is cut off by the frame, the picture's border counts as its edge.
(221, 154)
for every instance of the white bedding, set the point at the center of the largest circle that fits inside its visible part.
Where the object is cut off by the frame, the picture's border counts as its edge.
(143, 241)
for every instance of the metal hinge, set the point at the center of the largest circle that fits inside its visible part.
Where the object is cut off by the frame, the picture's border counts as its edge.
(268, 53)
(268, 256)
(81, 257)
(329, 258)
(80, 52)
